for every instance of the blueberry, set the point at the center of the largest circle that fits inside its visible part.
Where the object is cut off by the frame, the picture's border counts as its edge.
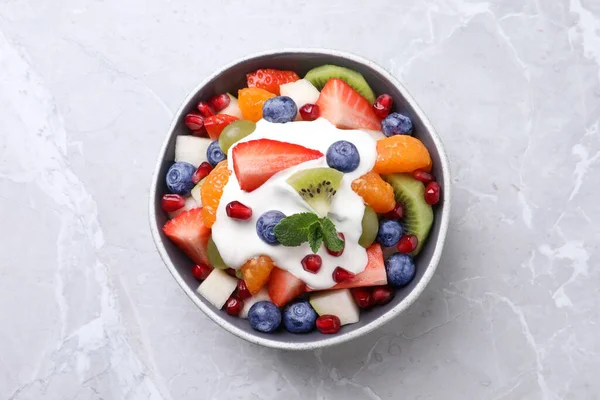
(179, 178)
(396, 124)
(299, 317)
(400, 269)
(265, 225)
(214, 154)
(264, 316)
(343, 156)
(389, 232)
(280, 109)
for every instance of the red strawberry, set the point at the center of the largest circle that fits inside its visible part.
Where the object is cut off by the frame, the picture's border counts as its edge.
(270, 79)
(345, 107)
(373, 274)
(216, 123)
(284, 287)
(256, 161)
(188, 232)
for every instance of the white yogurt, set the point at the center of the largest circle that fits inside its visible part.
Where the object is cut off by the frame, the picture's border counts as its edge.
(238, 241)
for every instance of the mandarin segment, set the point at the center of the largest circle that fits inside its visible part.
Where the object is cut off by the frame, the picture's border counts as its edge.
(376, 192)
(256, 272)
(401, 153)
(251, 102)
(212, 190)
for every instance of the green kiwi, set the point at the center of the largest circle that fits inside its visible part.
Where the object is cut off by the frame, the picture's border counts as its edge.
(418, 214)
(214, 257)
(370, 226)
(320, 75)
(317, 186)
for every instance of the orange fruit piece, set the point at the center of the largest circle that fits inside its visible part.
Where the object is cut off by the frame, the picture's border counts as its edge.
(401, 153)
(256, 272)
(211, 192)
(375, 192)
(251, 102)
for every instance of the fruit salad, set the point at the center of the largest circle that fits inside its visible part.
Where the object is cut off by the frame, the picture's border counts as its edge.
(301, 202)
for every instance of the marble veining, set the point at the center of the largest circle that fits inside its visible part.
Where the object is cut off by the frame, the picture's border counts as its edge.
(87, 91)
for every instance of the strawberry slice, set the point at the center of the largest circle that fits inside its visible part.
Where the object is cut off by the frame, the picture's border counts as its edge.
(188, 232)
(345, 107)
(284, 287)
(254, 162)
(216, 123)
(270, 79)
(373, 274)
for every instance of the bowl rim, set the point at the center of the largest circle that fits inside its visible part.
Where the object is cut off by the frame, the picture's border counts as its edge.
(327, 340)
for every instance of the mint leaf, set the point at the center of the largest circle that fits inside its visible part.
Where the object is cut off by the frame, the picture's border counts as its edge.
(293, 230)
(330, 236)
(315, 236)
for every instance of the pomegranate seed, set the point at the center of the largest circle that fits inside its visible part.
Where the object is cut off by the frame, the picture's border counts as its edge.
(242, 290)
(205, 109)
(219, 102)
(328, 324)
(312, 263)
(341, 275)
(234, 306)
(362, 297)
(310, 112)
(338, 253)
(231, 272)
(195, 122)
(396, 213)
(201, 271)
(432, 193)
(237, 210)
(172, 202)
(203, 170)
(423, 176)
(382, 295)
(407, 244)
(383, 105)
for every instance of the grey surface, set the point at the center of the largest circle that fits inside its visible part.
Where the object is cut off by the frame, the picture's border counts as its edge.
(230, 79)
(88, 311)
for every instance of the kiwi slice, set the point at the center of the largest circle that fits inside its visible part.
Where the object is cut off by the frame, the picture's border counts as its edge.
(320, 75)
(370, 226)
(317, 186)
(214, 257)
(418, 214)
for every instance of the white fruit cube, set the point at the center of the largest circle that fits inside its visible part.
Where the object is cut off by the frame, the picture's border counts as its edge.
(302, 92)
(336, 302)
(233, 108)
(189, 204)
(263, 295)
(191, 149)
(217, 287)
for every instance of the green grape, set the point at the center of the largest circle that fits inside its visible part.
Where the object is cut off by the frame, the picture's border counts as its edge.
(235, 131)
(370, 226)
(214, 257)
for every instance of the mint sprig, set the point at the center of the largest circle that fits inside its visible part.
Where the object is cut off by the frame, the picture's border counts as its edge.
(296, 229)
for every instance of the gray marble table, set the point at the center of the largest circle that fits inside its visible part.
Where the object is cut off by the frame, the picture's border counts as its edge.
(87, 91)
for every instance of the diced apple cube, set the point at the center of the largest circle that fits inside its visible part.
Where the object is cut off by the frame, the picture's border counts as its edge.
(191, 149)
(302, 92)
(217, 287)
(336, 302)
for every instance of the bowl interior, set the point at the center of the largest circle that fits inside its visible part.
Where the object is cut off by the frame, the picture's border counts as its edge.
(232, 78)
